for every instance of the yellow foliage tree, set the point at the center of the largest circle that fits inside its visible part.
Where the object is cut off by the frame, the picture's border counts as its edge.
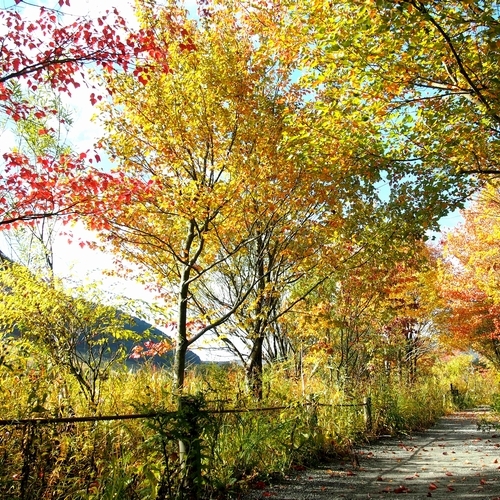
(203, 127)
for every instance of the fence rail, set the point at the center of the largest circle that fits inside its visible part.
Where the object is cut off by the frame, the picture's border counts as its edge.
(132, 416)
(187, 426)
(73, 420)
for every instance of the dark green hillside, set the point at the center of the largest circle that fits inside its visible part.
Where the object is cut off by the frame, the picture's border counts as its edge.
(34, 310)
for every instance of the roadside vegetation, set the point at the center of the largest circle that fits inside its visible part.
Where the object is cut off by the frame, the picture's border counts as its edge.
(306, 421)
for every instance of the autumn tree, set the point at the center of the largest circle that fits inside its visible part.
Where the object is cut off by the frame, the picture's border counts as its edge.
(418, 76)
(31, 244)
(48, 51)
(372, 317)
(335, 332)
(411, 305)
(289, 242)
(77, 332)
(200, 135)
(470, 284)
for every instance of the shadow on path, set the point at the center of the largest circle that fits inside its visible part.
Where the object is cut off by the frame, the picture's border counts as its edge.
(452, 460)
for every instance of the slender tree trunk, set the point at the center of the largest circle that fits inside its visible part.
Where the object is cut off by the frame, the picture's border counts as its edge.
(255, 361)
(180, 363)
(183, 294)
(181, 339)
(254, 369)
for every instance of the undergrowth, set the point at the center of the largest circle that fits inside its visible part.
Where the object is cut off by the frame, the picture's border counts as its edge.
(305, 420)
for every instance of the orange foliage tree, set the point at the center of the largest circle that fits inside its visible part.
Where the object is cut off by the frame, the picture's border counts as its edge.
(470, 283)
(375, 318)
(199, 146)
(411, 302)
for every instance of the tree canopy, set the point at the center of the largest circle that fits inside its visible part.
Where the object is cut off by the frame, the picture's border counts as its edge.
(267, 152)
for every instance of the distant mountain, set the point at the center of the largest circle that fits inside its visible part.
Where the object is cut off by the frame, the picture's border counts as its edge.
(142, 328)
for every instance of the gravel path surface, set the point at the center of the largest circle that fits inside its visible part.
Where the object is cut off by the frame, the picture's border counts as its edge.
(452, 460)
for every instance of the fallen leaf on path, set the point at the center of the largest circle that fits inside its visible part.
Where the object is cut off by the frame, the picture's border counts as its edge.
(259, 485)
(401, 489)
(450, 488)
(433, 486)
(448, 473)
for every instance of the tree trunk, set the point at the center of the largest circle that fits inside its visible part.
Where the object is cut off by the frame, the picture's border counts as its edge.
(183, 294)
(254, 369)
(181, 339)
(180, 363)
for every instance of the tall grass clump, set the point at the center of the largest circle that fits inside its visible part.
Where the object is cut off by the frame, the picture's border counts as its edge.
(403, 408)
(474, 381)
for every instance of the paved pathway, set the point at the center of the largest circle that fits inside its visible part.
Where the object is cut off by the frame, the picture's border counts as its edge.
(452, 460)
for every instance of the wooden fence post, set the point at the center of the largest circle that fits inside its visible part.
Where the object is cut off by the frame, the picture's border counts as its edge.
(312, 410)
(456, 398)
(189, 413)
(367, 407)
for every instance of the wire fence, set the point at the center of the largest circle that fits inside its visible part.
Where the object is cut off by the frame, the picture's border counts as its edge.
(133, 416)
(82, 456)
